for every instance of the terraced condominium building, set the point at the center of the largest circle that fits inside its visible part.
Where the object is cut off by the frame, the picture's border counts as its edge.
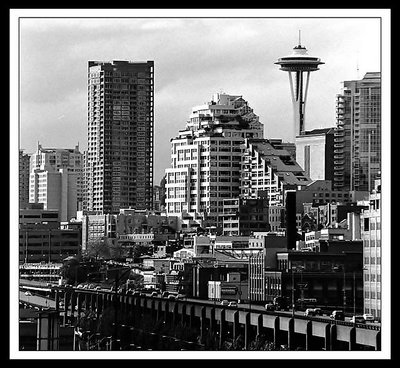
(357, 141)
(119, 158)
(205, 158)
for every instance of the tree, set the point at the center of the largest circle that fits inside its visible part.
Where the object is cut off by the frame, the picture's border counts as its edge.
(98, 248)
(72, 272)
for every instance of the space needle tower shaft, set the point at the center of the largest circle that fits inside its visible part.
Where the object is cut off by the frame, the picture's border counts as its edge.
(299, 65)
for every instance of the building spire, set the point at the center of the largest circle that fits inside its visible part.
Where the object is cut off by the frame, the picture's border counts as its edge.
(299, 37)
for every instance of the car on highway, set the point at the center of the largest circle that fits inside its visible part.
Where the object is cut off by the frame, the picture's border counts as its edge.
(270, 307)
(368, 317)
(357, 319)
(171, 297)
(232, 304)
(180, 296)
(165, 294)
(154, 293)
(313, 312)
(28, 293)
(225, 302)
(337, 315)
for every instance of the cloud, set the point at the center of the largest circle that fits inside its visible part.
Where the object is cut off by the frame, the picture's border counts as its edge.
(194, 57)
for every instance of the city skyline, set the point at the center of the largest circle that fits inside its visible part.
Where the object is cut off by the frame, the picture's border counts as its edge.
(232, 55)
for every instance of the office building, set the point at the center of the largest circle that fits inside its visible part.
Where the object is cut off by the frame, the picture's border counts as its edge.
(119, 160)
(205, 158)
(24, 161)
(314, 153)
(357, 150)
(372, 251)
(56, 180)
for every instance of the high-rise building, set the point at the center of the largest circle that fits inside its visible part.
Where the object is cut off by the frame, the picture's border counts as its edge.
(372, 250)
(56, 180)
(24, 160)
(119, 160)
(357, 150)
(299, 65)
(205, 158)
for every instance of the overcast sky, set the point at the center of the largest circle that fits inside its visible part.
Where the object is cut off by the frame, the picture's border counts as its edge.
(194, 58)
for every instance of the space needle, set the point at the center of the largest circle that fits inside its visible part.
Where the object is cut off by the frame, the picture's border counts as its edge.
(299, 65)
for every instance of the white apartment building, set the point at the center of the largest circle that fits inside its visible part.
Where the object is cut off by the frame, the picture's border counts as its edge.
(372, 251)
(205, 158)
(56, 180)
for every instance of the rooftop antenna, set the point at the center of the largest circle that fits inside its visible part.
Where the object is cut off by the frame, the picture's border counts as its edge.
(299, 37)
(358, 69)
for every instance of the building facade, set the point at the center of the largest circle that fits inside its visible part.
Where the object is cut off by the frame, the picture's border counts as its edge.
(314, 153)
(119, 161)
(372, 249)
(205, 158)
(56, 180)
(268, 171)
(24, 162)
(357, 149)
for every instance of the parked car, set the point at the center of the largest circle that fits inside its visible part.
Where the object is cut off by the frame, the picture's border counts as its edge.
(171, 297)
(269, 307)
(357, 319)
(225, 302)
(232, 304)
(337, 315)
(28, 293)
(368, 317)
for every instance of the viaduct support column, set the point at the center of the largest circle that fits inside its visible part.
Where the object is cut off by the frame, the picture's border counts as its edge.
(191, 316)
(202, 322)
(308, 335)
(328, 330)
(378, 341)
(291, 334)
(166, 312)
(174, 314)
(222, 328)
(212, 320)
(332, 337)
(352, 339)
(235, 332)
(247, 329)
(276, 331)
(259, 324)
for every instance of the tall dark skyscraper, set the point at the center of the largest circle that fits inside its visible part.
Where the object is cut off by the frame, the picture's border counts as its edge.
(119, 158)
